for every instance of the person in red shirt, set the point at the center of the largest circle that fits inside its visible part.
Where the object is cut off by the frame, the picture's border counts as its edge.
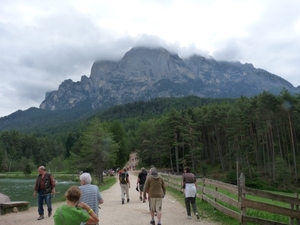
(45, 187)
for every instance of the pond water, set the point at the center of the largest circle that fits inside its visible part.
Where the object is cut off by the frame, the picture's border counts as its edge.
(22, 189)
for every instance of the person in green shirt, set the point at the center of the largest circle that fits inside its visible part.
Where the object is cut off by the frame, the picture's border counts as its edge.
(73, 212)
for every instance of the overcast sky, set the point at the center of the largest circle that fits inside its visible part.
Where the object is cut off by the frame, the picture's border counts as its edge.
(42, 43)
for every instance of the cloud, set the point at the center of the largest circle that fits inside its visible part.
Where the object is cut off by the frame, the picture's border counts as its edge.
(43, 43)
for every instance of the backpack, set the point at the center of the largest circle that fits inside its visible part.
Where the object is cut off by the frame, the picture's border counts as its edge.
(123, 178)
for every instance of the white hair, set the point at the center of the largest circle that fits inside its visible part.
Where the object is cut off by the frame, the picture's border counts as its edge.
(153, 170)
(86, 178)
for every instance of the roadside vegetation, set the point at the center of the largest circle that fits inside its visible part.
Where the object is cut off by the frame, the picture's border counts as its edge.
(205, 210)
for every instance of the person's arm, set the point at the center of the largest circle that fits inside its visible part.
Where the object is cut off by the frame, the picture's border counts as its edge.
(93, 216)
(100, 199)
(35, 189)
(52, 184)
(128, 180)
(183, 183)
(145, 190)
(34, 192)
(163, 187)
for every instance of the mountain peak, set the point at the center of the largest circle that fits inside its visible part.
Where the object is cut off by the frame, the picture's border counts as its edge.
(144, 73)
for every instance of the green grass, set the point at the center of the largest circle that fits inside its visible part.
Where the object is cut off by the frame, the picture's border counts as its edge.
(258, 213)
(205, 210)
(107, 183)
(262, 214)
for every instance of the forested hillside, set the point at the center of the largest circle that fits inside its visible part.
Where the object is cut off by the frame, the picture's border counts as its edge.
(260, 133)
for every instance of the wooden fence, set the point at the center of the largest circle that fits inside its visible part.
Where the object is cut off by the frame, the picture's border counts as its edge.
(235, 201)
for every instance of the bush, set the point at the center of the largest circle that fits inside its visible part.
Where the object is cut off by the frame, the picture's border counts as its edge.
(231, 177)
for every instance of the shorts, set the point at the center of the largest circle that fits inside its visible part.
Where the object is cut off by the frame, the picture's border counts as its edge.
(141, 186)
(155, 204)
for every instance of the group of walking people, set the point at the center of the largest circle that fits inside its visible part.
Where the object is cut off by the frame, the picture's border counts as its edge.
(82, 202)
(150, 186)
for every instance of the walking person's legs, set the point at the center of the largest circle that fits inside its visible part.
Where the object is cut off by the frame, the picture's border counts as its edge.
(141, 186)
(152, 209)
(158, 216)
(193, 202)
(48, 203)
(152, 217)
(127, 192)
(158, 208)
(122, 193)
(41, 198)
(188, 207)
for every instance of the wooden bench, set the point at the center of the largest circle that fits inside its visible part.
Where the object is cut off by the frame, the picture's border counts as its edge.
(13, 206)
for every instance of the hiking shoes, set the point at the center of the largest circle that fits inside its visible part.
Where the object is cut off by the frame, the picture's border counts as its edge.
(197, 214)
(49, 214)
(152, 222)
(41, 217)
(141, 198)
(128, 200)
(122, 202)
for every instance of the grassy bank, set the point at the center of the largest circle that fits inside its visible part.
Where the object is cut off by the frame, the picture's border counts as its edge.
(33, 175)
(205, 210)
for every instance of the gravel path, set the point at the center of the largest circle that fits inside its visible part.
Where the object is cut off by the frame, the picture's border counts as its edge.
(112, 212)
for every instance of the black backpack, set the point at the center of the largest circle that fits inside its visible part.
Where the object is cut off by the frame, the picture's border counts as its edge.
(123, 178)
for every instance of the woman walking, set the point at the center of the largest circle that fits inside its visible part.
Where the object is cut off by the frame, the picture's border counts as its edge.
(189, 185)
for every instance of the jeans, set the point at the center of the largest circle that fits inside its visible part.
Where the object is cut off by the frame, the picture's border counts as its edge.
(188, 202)
(44, 197)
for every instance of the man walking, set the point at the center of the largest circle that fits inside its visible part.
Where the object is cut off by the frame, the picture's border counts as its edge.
(90, 193)
(124, 184)
(156, 189)
(45, 187)
(141, 181)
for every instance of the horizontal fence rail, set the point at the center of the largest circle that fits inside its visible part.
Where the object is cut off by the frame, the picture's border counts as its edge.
(236, 201)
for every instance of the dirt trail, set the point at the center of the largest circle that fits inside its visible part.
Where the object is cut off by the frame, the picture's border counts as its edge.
(113, 212)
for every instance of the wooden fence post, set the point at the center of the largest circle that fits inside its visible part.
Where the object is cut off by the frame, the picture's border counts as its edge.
(167, 180)
(297, 208)
(291, 220)
(241, 187)
(202, 190)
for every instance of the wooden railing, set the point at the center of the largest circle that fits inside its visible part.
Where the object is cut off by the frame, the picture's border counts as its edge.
(235, 200)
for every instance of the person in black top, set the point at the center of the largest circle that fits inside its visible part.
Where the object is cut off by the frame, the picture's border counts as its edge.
(141, 181)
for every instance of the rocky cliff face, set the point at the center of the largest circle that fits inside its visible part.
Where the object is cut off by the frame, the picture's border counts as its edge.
(145, 73)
